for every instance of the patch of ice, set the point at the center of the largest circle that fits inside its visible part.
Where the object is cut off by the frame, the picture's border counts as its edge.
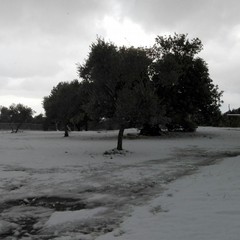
(58, 218)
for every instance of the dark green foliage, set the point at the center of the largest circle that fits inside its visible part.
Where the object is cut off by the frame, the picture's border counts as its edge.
(5, 115)
(16, 115)
(178, 45)
(231, 118)
(100, 72)
(65, 104)
(40, 119)
(150, 130)
(183, 83)
(135, 87)
(120, 86)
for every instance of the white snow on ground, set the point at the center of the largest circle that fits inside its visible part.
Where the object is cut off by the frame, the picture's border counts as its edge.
(201, 206)
(58, 218)
(180, 186)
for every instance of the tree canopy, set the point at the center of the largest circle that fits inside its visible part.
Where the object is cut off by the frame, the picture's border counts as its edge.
(121, 89)
(64, 103)
(136, 87)
(16, 115)
(182, 81)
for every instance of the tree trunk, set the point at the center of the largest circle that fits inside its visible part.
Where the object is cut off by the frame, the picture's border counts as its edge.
(66, 131)
(120, 138)
(12, 127)
(56, 126)
(17, 127)
(86, 125)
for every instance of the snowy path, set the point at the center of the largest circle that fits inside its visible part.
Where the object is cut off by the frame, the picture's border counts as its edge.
(201, 206)
(66, 189)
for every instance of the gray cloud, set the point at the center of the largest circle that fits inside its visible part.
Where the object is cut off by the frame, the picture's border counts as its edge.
(35, 35)
(41, 41)
(206, 17)
(215, 22)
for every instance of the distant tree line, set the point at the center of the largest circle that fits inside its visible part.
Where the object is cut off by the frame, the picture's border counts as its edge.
(18, 114)
(165, 85)
(231, 118)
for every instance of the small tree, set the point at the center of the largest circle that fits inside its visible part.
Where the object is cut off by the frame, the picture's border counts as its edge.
(120, 85)
(64, 103)
(19, 114)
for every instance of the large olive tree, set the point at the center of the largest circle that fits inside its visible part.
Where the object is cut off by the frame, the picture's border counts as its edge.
(182, 81)
(120, 85)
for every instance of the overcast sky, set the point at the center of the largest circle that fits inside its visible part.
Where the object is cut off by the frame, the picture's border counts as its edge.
(41, 41)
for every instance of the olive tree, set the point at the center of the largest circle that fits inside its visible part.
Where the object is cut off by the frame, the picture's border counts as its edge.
(120, 86)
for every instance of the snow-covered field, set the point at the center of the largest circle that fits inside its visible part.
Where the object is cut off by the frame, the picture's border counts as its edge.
(181, 186)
